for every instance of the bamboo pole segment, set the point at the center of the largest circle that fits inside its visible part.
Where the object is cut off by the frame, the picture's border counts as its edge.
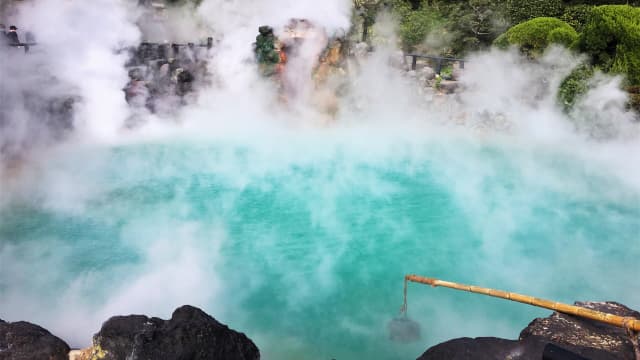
(629, 323)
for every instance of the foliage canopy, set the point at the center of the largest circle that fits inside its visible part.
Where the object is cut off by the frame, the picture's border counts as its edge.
(577, 15)
(474, 24)
(415, 25)
(535, 35)
(523, 10)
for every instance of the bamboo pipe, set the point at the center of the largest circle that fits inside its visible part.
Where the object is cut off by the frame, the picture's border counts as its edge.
(628, 323)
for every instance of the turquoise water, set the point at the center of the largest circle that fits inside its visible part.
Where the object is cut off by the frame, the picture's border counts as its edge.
(303, 245)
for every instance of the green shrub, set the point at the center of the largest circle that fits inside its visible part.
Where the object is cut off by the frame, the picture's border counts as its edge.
(574, 86)
(577, 16)
(523, 10)
(446, 73)
(563, 36)
(612, 38)
(438, 82)
(265, 52)
(535, 35)
(502, 41)
(415, 25)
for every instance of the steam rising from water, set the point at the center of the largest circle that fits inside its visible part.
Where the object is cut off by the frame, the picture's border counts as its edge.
(299, 234)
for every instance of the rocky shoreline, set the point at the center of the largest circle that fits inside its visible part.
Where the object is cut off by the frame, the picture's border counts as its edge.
(576, 338)
(189, 334)
(192, 334)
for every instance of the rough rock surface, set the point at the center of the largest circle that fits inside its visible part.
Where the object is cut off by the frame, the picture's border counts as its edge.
(490, 348)
(426, 73)
(570, 330)
(24, 341)
(586, 338)
(189, 334)
(449, 86)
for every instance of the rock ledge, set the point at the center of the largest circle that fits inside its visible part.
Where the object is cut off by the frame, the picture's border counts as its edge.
(585, 338)
(189, 334)
(25, 341)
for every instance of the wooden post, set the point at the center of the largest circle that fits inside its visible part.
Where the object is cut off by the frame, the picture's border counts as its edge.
(414, 62)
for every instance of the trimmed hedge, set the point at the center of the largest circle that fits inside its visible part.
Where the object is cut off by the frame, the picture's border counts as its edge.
(574, 86)
(612, 38)
(562, 35)
(577, 16)
(535, 35)
(523, 10)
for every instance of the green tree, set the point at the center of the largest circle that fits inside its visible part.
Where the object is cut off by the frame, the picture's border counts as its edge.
(367, 10)
(474, 24)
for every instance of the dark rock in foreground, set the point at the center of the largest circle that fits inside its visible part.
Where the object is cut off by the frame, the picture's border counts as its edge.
(490, 348)
(24, 341)
(573, 331)
(586, 338)
(466, 348)
(189, 334)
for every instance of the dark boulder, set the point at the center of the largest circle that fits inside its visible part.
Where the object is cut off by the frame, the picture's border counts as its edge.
(24, 341)
(485, 348)
(584, 338)
(490, 348)
(449, 86)
(568, 331)
(189, 334)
